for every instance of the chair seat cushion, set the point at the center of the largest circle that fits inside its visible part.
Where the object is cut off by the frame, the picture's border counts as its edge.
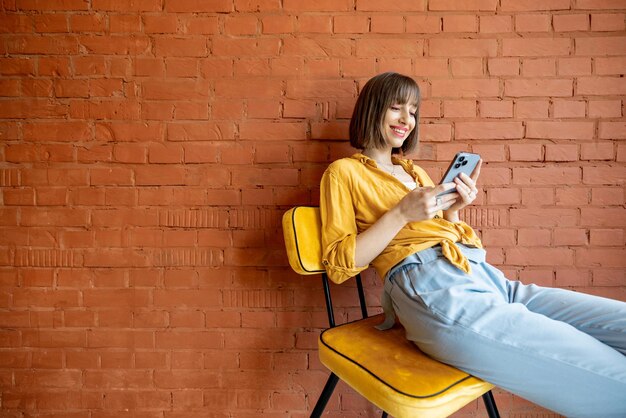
(393, 373)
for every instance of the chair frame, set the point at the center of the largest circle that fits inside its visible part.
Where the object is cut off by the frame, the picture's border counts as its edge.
(329, 387)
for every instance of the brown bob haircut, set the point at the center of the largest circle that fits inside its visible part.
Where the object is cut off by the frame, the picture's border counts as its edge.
(379, 94)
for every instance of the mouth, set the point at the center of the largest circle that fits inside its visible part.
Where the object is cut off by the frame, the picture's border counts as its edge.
(399, 132)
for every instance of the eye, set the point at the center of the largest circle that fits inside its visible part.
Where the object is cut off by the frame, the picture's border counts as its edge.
(395, 108)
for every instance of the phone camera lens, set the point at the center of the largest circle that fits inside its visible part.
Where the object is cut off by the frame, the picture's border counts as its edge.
(464, 162)
(461, 158)
(457, 165)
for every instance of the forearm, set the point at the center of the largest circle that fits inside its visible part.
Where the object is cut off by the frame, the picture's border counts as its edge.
(372, 242)
(452, 216)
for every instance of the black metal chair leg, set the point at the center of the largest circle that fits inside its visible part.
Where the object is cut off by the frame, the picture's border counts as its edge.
(325, 396)
(490, 405)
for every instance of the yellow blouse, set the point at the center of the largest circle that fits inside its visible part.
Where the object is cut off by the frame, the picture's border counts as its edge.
(355, 193)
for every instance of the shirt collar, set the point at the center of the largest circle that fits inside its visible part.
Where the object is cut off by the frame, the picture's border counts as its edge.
(405, 163)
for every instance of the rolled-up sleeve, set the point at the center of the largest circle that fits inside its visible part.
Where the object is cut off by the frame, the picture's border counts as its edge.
(339, 229)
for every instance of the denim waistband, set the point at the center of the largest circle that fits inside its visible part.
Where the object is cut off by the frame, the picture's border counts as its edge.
(476, 255)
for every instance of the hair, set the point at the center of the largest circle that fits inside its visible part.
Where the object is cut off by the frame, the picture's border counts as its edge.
(378, 94)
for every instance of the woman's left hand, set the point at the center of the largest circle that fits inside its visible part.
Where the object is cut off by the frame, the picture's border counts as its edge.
(466, 187)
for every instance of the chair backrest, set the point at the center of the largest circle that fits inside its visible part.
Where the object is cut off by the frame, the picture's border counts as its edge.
(302, 228)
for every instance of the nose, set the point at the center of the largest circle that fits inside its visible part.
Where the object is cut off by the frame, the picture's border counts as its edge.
(404, 116)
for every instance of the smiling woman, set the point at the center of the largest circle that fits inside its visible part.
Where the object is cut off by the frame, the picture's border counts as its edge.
(560, 349)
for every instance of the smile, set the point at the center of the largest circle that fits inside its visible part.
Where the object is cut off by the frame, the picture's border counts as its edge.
(399, 132)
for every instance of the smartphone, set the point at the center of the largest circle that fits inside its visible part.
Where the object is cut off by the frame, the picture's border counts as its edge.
(463, 162)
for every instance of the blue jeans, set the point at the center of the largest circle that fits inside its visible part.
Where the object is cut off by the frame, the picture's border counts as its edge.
(560, 349)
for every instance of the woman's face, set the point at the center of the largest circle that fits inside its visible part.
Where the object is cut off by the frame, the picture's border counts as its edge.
(398, 123)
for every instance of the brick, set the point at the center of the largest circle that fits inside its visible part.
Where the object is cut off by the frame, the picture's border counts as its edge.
(377, 47)
(496, 108)
(601, 85)
(547, 175)
(607, 22)
(606, 237)
(604, 175)
(460, 23)
(400, 5)
(532, 5)
(462, 47)
(277, 24)
(572, 277)
(537, 196)
(560, 130)
(466, 67)
(606, 257)
(465, 88)
(17, 66)
(496, 24)
(612, 130)
(314, 24)
(186, 379)
(538, 67)
(517, 47)
(561, 152)
(241, 25)
(574, 66)
(490, 152)
(597, 151)
(598, 46)
(570, 237)
(459, 108)
(532, 23)
(261, 47)
(570, 22)
(538, 87)
(531, 109)
(503, 196)
(451, 5)
(489, 130)
(544, 217)
(572, 196)
(540, 256)
(198, 6)
(62, 379)
(606, 196)
(610, 65)
(387, 24)
(423, 24)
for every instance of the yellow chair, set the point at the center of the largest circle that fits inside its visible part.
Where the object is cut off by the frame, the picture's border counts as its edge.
(383, 366)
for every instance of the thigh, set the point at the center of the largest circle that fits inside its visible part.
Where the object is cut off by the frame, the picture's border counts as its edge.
(546, 361)
(602, 318)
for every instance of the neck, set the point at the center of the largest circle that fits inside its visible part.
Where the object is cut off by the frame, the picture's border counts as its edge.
(381, 156)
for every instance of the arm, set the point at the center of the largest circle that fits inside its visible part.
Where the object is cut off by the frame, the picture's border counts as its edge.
(418, 205)
(347, 252)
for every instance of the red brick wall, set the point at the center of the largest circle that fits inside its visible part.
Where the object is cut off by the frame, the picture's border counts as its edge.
(149, 148)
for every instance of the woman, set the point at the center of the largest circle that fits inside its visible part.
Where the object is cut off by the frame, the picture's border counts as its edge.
(560, 349)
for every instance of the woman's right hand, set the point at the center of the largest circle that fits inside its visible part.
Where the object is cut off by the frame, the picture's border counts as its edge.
(421, 203)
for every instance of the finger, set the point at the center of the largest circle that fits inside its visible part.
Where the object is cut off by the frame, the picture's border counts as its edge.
(465, 192)
(462, 185)
(445, 201)
(467, 180)
(443, 188)
(450, 197)
(448, 200)
(476, 171)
